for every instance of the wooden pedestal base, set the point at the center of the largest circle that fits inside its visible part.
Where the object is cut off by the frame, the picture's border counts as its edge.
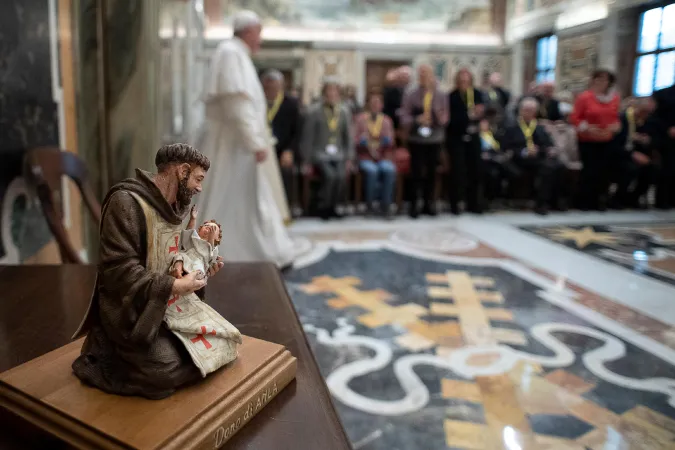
(45, 392)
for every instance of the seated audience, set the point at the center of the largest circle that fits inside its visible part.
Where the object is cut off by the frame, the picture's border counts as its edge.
(534, 153)
(467, 108)
(635, 146)
(374, 134)
(665, 113)
(424, 115)
(596, 118)
(284, 119)
(327, 143)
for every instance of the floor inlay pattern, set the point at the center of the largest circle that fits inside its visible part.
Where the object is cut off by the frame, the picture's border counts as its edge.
(428, 350)
(644, 248)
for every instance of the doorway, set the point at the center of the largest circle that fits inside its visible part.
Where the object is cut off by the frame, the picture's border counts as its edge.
(376, 73)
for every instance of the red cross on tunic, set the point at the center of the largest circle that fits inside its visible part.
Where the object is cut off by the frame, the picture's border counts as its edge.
(174, 300)
(174, 248)
(200, 337)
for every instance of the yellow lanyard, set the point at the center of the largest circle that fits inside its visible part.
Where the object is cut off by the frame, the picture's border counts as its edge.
(630, 117)
(428, 97)
(528, 132)
(375, 126)
(468, 94)
(488, 137)
(272, 112)
(332, 117)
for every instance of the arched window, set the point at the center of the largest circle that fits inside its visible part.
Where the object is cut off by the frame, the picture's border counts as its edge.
(655, 61)
(547, 53)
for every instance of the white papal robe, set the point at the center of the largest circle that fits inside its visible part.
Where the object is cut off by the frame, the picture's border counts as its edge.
(245, 197)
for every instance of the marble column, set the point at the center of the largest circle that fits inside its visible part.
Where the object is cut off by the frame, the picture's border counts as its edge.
(28, 118)
(517, 68)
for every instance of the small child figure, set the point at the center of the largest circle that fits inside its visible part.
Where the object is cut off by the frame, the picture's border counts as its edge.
(198, 248)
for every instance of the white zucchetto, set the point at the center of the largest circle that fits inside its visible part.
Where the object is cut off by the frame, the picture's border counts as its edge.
(244, 19)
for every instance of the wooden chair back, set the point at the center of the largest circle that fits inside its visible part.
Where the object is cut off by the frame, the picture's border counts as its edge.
(44, 169)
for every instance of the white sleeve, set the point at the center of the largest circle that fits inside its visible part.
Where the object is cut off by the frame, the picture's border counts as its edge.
(228, 86)
(240, 111)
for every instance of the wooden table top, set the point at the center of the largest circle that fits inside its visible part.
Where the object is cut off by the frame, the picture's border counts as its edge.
(43, 305)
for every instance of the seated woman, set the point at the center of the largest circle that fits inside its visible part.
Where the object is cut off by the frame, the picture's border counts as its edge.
(374, 143)
(534, 152)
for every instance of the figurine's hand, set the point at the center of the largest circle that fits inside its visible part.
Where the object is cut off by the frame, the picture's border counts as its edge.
(217, 266)
(177, 270)
(189, 283)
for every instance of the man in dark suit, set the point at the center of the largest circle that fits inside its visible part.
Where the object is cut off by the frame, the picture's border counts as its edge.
(285, 121)
(533, 151)
(640, 136)
(394, 89)
(665, 113)
(496, 98)
(549, 107)
(466, 107)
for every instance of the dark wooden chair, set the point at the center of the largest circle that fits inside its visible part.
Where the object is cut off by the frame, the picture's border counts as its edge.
(44, 169)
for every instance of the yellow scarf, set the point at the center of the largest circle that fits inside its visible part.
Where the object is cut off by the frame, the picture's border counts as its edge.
(332, 117)
(630, 117)
(375, 126)
(428, 97)
(488, 137)
(272, 112)
(468, 98)
(528, 132)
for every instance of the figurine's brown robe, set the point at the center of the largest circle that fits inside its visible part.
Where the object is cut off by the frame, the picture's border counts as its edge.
(129, 350)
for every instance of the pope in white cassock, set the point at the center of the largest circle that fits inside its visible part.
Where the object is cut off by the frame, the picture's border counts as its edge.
(244, 193)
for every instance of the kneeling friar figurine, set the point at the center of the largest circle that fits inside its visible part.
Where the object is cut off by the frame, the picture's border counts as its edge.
(149, 330)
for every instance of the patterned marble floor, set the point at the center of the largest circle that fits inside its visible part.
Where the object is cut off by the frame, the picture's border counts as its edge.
(494, 332)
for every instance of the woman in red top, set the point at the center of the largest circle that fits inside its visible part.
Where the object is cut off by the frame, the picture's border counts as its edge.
(596, 118)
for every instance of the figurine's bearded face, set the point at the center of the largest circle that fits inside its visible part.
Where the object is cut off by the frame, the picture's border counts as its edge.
(188, 186)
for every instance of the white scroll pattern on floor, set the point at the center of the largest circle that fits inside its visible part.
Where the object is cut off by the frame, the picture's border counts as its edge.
(416, 392)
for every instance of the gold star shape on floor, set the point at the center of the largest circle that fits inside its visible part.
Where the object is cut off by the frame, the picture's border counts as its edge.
(585, 236)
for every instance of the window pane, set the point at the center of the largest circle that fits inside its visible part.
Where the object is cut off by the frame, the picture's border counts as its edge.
(644, 75)
(550, 75)
(649, 30)
(542, 50)
(665, 70)
(540, 77)
(552, 51)
(668, 27)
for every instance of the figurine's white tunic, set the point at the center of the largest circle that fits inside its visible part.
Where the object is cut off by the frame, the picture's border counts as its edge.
(210, 339)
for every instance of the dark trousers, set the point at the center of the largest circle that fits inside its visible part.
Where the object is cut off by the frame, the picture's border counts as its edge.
(423, 163)
(495, 173)
(332, 184)
(631, 173)
(665, 187)
(545, 174)
(465, 173)
(594, 177)
(287, 178)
